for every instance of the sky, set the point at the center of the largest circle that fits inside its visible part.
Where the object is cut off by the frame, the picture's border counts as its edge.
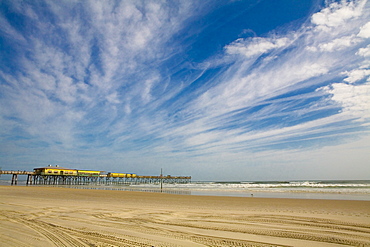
(216, 89)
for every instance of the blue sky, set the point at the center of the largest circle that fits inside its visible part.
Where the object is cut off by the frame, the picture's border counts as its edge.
(219, 90)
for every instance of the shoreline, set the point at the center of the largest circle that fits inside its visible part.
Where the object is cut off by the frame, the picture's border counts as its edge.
(257, 193)
(51, 216)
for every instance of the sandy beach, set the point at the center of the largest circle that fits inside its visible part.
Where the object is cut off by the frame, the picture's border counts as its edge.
(48, 216)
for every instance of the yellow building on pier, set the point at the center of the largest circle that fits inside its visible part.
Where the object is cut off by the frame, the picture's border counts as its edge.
(61, 171)
(55, 170)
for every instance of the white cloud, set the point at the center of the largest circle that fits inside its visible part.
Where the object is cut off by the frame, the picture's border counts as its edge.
(255, 46)
(356, 75)
(340, 43)
(147, 87)
(113, 98)
(337, 14)
(364, 52)
(364, 31)
(354, 100)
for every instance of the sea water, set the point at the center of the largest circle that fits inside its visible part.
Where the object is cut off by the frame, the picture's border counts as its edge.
(310, 189)
(333, 189)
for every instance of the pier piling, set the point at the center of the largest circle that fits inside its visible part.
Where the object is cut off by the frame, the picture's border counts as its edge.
(14, 179)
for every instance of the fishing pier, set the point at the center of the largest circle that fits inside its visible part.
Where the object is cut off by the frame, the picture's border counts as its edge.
(54, 175)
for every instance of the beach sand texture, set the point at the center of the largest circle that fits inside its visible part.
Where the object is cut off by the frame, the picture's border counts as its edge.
(49, 216)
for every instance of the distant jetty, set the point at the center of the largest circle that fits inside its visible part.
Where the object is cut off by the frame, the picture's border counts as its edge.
(56, 175)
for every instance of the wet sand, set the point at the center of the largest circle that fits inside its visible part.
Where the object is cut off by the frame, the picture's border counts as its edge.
(49, 216)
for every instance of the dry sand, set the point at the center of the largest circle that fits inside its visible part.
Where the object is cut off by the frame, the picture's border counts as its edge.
(45, 216)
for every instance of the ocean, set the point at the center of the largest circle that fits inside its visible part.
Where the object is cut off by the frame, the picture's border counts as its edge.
(313, 189)
(334, 189)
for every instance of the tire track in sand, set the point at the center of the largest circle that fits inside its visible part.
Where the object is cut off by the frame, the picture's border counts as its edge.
(62, 236)
(151, 227)
(289, 227)
(93, 237)
(137, 225)
(57, 237)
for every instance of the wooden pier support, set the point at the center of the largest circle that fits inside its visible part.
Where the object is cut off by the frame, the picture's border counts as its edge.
(29, 179)
(14, 179)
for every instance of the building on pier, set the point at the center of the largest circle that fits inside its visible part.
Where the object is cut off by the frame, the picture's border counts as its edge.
(55, 171)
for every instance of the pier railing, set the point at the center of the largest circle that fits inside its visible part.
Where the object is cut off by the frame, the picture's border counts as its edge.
(17, 172)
